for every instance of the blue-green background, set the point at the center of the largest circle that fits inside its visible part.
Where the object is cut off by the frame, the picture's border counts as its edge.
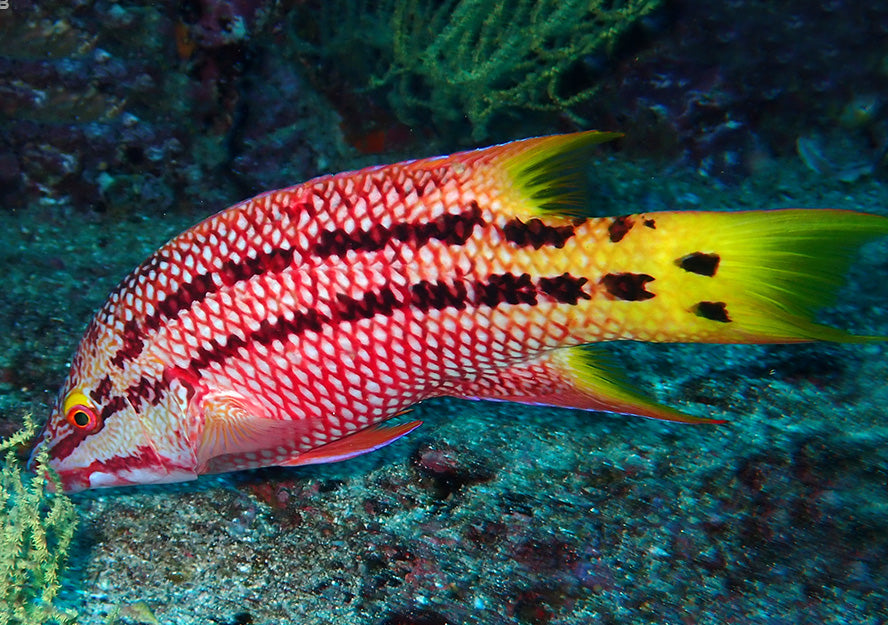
(117, 131)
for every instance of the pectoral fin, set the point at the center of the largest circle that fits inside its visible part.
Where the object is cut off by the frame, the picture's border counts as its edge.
(237, 434)
(233, 426)
(578, 377)
(356, 444)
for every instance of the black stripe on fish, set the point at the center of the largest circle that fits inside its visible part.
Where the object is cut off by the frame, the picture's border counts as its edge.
(536, 233)
(151, 390)
(565, 288)
(424, 295)
(102, 391)
(450, 228)
(438, 295)
(132, 344)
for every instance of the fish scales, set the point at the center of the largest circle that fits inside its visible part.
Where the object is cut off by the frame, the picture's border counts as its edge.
(284, 329)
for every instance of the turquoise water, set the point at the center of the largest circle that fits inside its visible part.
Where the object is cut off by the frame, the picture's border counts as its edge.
(490, 513)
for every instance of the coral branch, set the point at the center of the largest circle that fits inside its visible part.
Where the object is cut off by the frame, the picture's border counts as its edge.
(36, 528)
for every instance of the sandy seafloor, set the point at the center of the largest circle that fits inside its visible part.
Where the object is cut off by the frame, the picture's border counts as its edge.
(500, 513)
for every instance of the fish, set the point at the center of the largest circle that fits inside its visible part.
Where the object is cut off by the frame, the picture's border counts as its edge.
(287, 329)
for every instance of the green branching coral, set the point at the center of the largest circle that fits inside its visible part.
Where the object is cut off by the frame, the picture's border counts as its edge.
(480, 57)
(36, 528)
(446, 61)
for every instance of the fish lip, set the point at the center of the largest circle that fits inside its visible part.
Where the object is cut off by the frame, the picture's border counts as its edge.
(70, 480)
(31, 465)
(40, 441)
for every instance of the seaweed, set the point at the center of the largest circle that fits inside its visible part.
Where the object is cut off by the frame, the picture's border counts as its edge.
(452, 60)
(37, 524)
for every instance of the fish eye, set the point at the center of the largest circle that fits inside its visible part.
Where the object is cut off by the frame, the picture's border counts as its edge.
(80, 412)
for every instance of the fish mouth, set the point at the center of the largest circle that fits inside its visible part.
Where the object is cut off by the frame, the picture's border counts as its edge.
(59, 481)
(71, 481)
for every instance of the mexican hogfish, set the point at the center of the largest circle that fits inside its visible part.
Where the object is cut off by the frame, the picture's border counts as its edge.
(285, 329)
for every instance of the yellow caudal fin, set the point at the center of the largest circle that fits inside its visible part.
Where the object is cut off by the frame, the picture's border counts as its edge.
(740, 277)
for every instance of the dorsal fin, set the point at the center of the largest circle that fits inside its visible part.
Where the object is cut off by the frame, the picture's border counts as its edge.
(531, 177)
(548, 171)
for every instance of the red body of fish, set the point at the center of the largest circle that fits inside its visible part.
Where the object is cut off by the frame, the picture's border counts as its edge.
(284, 329)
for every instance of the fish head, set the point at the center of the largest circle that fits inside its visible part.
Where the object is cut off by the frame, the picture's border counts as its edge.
(109, 427)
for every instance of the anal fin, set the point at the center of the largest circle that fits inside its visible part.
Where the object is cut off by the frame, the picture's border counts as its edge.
(577, 377)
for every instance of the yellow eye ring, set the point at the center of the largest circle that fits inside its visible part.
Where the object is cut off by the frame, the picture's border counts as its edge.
(80, 412)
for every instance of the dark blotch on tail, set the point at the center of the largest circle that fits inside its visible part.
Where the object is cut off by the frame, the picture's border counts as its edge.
(619, 228)
(715, 311)
(700, 263)
(628, 286)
